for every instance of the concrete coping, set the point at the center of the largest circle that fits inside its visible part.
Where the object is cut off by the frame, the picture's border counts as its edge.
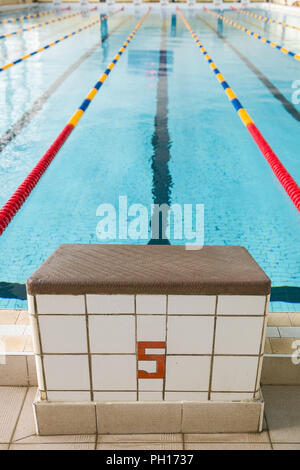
(149, 269)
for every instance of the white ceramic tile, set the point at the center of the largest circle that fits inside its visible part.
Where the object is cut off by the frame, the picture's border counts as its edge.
(31, 307)
(264, 335)
(114, 372)
(63, 334)
(69, 396)
(12, 330)
(12, 400)
(238, 335)
(273, 332)
(289, 331)
(152, 304)
(191, 304)
(190, 335)
(27, 330)
(115, 396)
(150, 385)
(241, 304)
(150, 396)
(147, 366)
(186, 396)
(13, 370)
(234, 373)
(110, 303)
(112, 333)
(151, 328)
(66, 304)
(231, 396)
(67, 372)
(187, 373)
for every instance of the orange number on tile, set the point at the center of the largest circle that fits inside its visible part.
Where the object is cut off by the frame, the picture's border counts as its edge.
(160, 359)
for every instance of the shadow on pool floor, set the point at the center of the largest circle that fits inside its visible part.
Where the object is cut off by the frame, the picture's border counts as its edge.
(290, 294)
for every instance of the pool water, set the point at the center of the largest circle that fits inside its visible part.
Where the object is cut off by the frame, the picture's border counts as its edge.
(189, 147)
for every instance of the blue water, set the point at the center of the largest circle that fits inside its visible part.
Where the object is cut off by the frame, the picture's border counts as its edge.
(212, 159)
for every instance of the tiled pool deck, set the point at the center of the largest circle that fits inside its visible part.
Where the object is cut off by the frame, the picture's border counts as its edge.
(281, 429)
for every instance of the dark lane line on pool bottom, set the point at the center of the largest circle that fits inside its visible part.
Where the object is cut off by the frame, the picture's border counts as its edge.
(162, 179)
(24, 120)
(288, 106)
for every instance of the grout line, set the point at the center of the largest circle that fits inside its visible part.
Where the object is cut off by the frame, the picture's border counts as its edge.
(40, 348)
(154, 315)
(213, 350)
(181, 391)
(133, 354)
(18, 417)
(268, 432)
(97, 431)
(88, 350)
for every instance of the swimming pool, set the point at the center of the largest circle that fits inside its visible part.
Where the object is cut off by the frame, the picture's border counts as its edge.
(189, 148)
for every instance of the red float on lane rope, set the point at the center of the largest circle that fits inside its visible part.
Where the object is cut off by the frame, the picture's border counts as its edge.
(14, 203)
(285, 179)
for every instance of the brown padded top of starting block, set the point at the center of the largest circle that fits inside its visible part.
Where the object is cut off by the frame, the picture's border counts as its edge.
(149, 269)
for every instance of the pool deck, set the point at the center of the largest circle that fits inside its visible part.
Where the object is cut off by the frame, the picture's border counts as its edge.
(281, 428)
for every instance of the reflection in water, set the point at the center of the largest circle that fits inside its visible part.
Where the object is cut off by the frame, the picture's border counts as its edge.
(220, 26)
(104, 35)
(173, 26)
(103, 26)
(283, 30)
(162, 180)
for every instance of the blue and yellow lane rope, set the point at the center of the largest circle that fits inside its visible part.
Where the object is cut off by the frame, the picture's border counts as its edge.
(91, 95)
(15, 202)
(44, 23)
(35, 15)
(266, 18)
(282, 49)
(67, 36)
(285, 179)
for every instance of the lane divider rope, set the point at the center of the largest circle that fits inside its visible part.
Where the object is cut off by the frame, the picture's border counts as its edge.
(15, 202)
(266, 18)
(67, 36)
(283, 176)
(255, 35)
(35, 15)
(45, 23)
